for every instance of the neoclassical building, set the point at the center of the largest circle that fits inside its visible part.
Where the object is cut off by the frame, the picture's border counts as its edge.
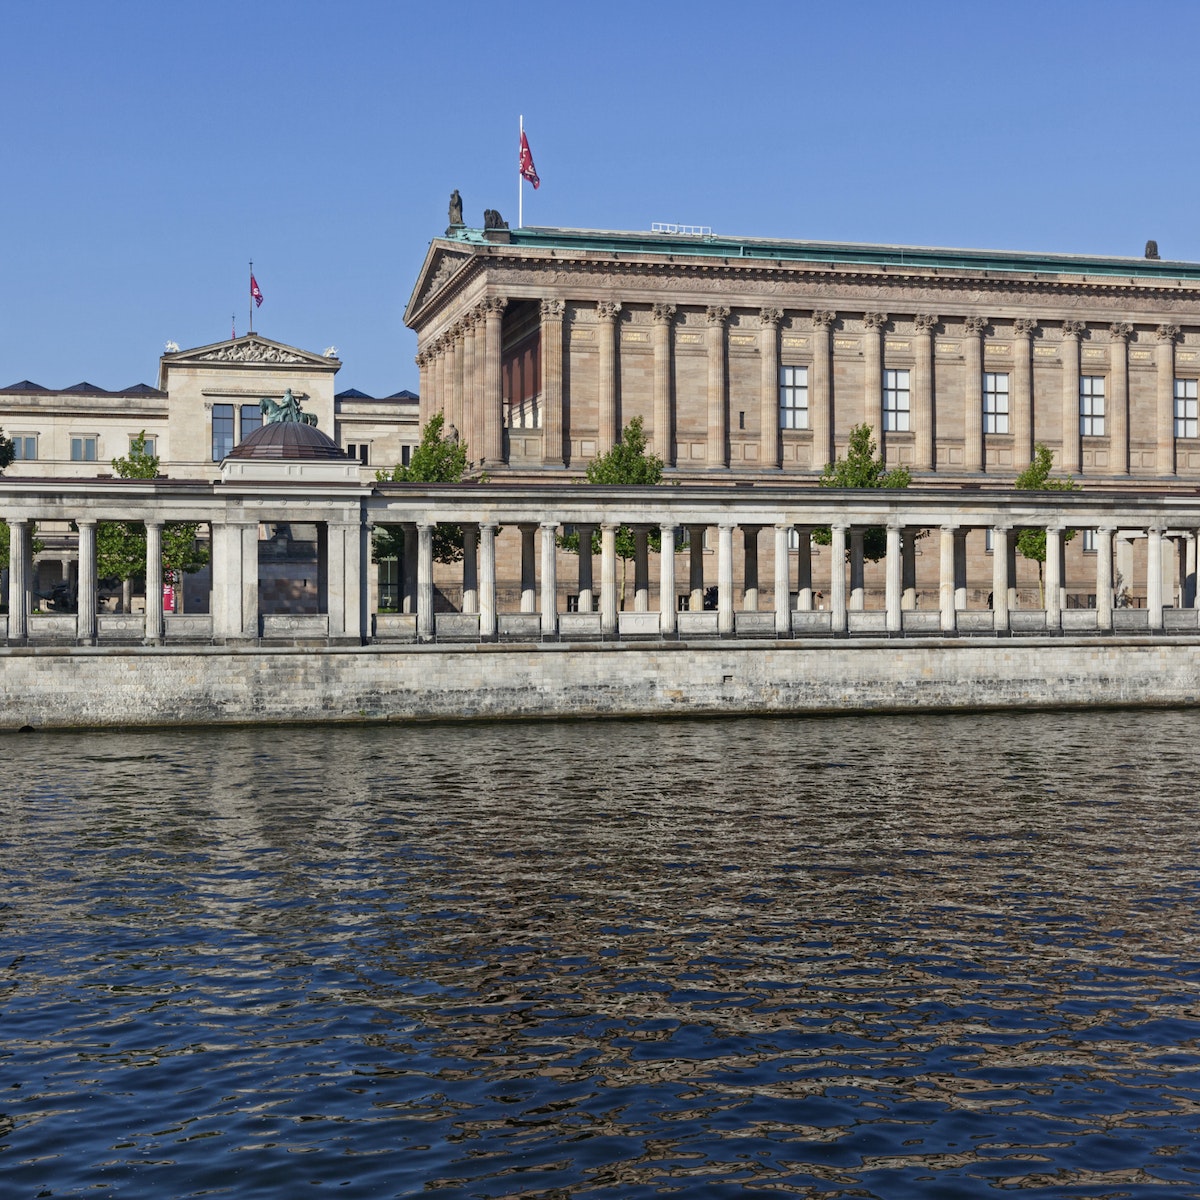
(751, 359)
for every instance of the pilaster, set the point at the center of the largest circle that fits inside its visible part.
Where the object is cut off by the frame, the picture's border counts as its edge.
(718, 394)
(924, 420)
(1118, 402)
(664, 376)
(1164, 362)
(1072, 332)
(607, 312)
(974, 458)
(768, 347)
(552, 383)
(820, 389)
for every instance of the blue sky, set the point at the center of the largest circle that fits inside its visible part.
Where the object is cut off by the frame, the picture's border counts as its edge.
(151, 150)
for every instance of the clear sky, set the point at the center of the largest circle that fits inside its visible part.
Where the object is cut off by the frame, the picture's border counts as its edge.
(151, 150)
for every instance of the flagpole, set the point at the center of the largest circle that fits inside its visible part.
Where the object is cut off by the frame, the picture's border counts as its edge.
(251, 329)
(520, 189)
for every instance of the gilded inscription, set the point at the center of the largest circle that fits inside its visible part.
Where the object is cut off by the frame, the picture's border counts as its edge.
(1185, 355)
(1095, 353)
(742, 339)
(688, 339)
(795, 342)
(947, 347)
(846, 343)
(897, 345)
(997, 348)
(1139, 354)
(1045, 351)
(583, 335)
(634, 335)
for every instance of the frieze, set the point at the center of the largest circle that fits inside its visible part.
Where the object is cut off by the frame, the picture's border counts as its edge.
(251, 352)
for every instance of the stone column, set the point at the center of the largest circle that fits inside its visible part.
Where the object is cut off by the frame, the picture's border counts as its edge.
(474, 397)
(666, 581)
(664, 398)
(1072, 332)
(606, 339)
(487, 581)
(528, 570)
(949, 620)
(470, 570)
(725, 621)
(85, 620)
(820, 390)
(154, 583)
(768, 350)
(783, 585)
(1154, 588)
(235, 581)
(437, 380)
(924, 420)
(696, 568)
(18, 580)
(960, 569)
(587, 595)
(974, 458)
(804, 588)
(1189, 570)
(1000, 538)
(470, 418)
(1022, 392)
(837, 578)
(857, 596)
(409, 581)
(1118, 399)
(1053, 579)
(874, 328)
(549, 578)
(552, 383)
(718, 392)
(493, 400)
(1104, 577)
(425, 623)
(608, 579)
(641, 569)
(1012, 573)
(424, 361)
(908, 555)
(892, 587)
(1164, 362)
(343, 578)
(750, 568)
(454, 389)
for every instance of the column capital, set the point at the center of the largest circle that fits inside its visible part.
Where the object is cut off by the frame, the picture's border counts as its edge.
(926, 322)
(81, 521)
(1025, 327)
(875, 320)
(1167, 333)
(490, 526)
(608, 310)
(1106, 530)
(607, 525)
(976, 326)
(1073, 329)
(950, 527)
(770, 316)
(663, 314)
(423, 358)
(717, 314)
(494, 306)
(842, 526)
(552, 310)
(823, 318)
(1120, 331)
(548, 525)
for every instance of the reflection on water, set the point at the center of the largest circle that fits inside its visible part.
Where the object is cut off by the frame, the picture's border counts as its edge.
(892, 957)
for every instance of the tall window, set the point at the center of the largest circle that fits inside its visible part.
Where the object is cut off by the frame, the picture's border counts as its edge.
(222, 431)
(1185, 408)
(25, 447)
(995, 403)
(251, 419)
(1091, 405)
(83, 449)
(895, 401)
(793, 397)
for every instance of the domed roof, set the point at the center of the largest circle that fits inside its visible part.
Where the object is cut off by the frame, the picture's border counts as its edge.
(291, 440)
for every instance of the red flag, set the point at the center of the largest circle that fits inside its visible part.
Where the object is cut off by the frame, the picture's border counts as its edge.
(528, 170)
(255, 294)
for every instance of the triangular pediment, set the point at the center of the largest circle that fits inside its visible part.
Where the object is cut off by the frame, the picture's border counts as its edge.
(441, 265)
(251, 349)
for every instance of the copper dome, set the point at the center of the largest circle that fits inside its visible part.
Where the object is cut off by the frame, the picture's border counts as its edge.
(290, 440)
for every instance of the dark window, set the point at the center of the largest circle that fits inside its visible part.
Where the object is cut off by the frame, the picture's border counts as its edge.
(405, 455)
(251, 420)
(222, 431)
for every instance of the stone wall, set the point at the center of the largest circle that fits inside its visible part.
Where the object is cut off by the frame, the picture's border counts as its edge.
(100, 686)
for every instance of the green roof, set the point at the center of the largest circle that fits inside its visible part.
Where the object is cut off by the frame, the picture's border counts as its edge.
(836, 253)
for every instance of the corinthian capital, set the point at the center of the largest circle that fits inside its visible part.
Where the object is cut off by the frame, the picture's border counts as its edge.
(875, 320)
(494, 306)
(1025, 327)
(607, 310)
(770, 316)
(975, 326)
(1120, 331)
(925, 322)
(823, 318)
(552, 310)
(1168, 333)
(663, 314)
(717, 314)
(1073, 329)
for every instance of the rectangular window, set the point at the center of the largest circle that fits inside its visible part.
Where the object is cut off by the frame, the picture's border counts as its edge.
(222, 431)
(25, 447)
(83, 449)
(995, 403)
(793, 397)
(895, 401)
(1185, 408)
(251, 419)
(405, 455)
(150, 445)
(1091, 405)
(1089, 541)
(361, 451)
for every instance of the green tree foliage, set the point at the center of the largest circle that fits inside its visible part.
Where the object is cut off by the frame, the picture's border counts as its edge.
(862, 469)
(7, 451)
(1031, 543)
(438, 459)
(627, 463)
(121, 545)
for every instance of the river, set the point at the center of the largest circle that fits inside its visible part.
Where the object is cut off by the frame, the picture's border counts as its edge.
(892, 957)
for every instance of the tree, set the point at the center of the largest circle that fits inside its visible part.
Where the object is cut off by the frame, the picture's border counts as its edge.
(438, 459)
(1031, 543)
(627, 463)
(861, 469)
(7, 451)
(121, 545)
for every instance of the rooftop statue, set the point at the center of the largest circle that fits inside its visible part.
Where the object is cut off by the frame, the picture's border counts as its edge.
(455, 208)
(493, 220)
(287, 409)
